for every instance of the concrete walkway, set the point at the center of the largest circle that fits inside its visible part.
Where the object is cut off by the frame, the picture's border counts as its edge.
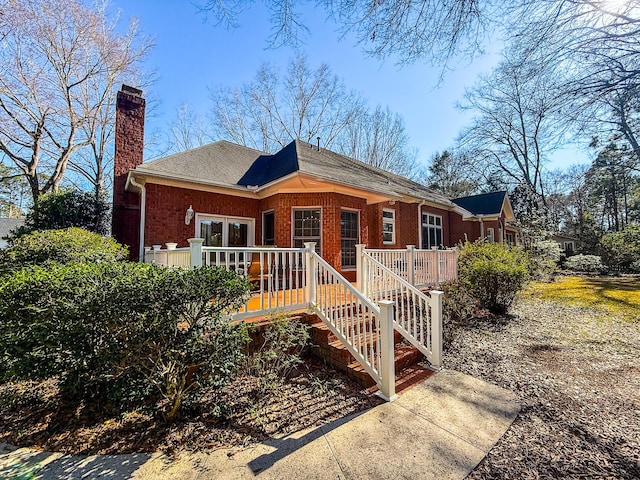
(440, 429)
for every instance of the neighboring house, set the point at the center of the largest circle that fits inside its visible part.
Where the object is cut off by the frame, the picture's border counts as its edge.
(567, 243)
(232, 195)
(6, 226)
(493, 215)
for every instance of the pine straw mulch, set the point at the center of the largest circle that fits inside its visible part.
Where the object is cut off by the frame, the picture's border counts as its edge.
(577, 373)
(33, 415)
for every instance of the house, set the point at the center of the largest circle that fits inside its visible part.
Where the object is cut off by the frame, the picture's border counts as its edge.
(7, 225)
(566, 243)
(232, 195)
(492, 215)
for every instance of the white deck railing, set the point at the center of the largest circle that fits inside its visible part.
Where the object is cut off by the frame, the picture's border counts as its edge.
(418, 316)
(421, 268)
(277, 275)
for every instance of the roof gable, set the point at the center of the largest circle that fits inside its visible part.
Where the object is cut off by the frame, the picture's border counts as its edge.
(484, 204)
(269, 168)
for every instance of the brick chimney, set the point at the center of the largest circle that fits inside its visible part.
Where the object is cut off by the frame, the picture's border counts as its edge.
(129, 147)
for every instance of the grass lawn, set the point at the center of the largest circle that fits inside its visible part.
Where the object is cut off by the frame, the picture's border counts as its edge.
(616, 295)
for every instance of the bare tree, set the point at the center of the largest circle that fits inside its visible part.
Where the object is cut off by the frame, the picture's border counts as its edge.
(274, 109)
(379, 139)
(437, 30)
(516, 123)
(597, 42)
(59, 63)
(188, 130)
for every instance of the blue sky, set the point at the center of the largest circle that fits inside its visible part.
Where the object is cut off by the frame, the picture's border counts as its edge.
(191, 55)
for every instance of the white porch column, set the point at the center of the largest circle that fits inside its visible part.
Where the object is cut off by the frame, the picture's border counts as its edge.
(387, 360)
(437, 250)
(436, 327)
(310, 272)
(196, 251)
(360, 277)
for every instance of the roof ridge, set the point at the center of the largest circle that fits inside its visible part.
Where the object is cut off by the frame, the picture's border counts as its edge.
(377, 170)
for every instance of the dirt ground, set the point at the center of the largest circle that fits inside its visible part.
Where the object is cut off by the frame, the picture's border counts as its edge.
(32, 415)
(577, 373)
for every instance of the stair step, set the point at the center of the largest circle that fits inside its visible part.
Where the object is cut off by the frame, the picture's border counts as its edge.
(405, 356)
(335, 353)
(409, 378)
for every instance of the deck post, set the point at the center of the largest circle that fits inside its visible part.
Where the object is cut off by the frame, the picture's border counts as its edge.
(310, 272)
(196, 251)
(360, 278)
(411, 260)
(436, 254)
(387, 360)
(436, 327)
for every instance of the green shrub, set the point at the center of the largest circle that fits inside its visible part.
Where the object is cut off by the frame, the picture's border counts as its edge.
(280, 353)
(60, 246)
(492, 273)
(622, 249)
(65, 209)
(545, 258)
(585, 263)
(132, 333)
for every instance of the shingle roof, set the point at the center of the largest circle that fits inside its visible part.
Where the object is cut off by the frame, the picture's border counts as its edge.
(333, 166)
(228, 164)
(220, 162)
(483, 204)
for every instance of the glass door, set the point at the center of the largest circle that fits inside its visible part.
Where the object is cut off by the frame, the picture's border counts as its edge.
(211, 231)
(225, 231)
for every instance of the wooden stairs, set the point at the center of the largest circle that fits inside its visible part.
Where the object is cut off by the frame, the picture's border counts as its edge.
(326, 346)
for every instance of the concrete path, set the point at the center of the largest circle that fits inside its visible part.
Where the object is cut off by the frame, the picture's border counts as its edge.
(440, 429)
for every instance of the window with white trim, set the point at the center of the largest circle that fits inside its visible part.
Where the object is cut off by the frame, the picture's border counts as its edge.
(431, 230)
(388, 226)
(349, 236)
(491, 236)
(307, 227)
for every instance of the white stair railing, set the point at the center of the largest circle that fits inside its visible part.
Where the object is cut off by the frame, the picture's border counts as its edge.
(418, 316)
(364, 328)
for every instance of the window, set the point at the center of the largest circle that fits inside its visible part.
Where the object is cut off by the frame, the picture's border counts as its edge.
(509, 238)
(349, 236)
(568, 247)
(388, 226)
(431, 230)
(491, 236)
(225, 231)
(268, 228)
(307, 226)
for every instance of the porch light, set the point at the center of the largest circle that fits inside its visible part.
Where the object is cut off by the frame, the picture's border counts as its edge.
(188, 215)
